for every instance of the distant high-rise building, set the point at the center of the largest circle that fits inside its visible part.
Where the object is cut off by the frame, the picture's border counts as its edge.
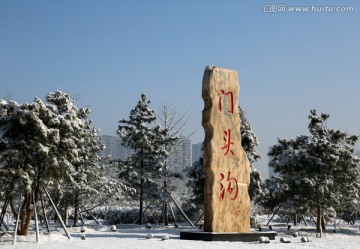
(180, 154)
(179, 159)
(196, 152)
(187, 152)
(114, 148)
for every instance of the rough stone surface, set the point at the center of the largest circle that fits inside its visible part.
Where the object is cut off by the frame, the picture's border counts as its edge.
(227, 202)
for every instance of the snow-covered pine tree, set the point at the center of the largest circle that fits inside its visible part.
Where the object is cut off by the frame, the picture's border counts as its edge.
(196, 183)
(287, 159)
(334, 167)
(44, 145)
(82, 140)
(317, 171)
(25, 154)
(249, 142)
(140, 133)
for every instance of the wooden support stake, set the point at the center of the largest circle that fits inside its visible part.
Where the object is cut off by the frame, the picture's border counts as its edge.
(57, 214)
(202, 215)
(172, 212)
(17, 220)
(177, 205)
(277, 210)
(162, 216)
(312, 218)
(6, 226)
(92, 216)
(144, 211)
(44, 213)
(81, 216)
(3, 210)
(36, 220)
(288, 219)
(3, 213)
(302, 215)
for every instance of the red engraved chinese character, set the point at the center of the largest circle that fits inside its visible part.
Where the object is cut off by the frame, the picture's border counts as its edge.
(232, 187)
(230, 95)
(226, 147)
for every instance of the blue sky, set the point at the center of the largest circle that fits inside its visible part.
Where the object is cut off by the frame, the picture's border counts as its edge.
(106, 53)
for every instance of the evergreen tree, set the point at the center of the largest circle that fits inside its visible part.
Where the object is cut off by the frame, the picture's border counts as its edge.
(196, 183)
(140, 133)
(49, 145)
(78, 134)
(317, 171)
(285, 188)
(26, 159)
(249, 142)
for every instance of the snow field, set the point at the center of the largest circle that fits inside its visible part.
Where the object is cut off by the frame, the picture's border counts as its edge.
(134, 236)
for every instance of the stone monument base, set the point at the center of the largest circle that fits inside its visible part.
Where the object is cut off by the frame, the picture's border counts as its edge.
(211, 236)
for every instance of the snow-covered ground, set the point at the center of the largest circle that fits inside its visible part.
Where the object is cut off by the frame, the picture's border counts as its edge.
(134, 236)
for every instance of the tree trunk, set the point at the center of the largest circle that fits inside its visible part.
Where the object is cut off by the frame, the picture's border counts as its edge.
(295, 219)
(166, 215)
(323, 227)
(22, 217)
(12, 207)
(319, 220)
(66, 216)
(141, 199)
(44, 213)
(162, 214)
(26, 212)
(76, 211)
(141, 204)
(76, 206)
(26, 226)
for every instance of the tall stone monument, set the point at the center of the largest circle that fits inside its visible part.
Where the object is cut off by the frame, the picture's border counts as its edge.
(227, 169)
